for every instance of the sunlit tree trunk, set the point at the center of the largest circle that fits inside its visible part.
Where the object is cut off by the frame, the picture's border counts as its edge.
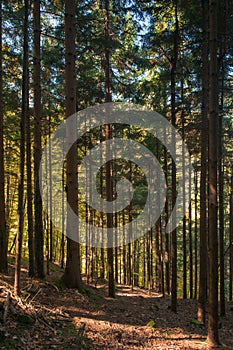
(24, 112)
(3, 232)
(31, 249)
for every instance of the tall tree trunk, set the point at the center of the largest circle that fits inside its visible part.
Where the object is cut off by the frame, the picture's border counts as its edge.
(63, 223)
(231, 239)
(24, 112)
(102, 250)
(116, 253)
(50, 197)
(183, 189)
(109, 189)
(221, 214)
(31, 249)
(159, 245)
(204, 141)
(222, 39)
(213, 149)
(195, 238)
(173, 117)
(167, 240)
(72, 276)
(3, 233)
(31, 242)
(190, 242)
(39, 234)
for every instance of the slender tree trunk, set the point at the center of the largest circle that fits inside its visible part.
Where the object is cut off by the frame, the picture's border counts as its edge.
(183, 189)
(231, 239)
(19, 238)
(63, 223)
(31, 249)
(149, 262)
(204, 141)
(116, 254)
(162, 261)
(3, 233)
(173, 117)
(39, 234)
(136, 264)
(222, 39)
(195, 239)
(221, 218)
(213, 149)
(102, 250)
(124, 253)
(167, 240)
(50, 197)
(72, 276)
(159, 245)
(190, 243)
(158, 257)
(108, 135)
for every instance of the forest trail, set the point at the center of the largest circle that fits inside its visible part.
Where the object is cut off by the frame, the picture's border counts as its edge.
(50, 317)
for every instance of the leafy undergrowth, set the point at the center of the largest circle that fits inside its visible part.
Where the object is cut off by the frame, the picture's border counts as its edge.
(47, 316)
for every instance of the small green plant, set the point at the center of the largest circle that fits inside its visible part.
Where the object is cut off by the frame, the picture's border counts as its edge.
(197, 323)
(151, 323)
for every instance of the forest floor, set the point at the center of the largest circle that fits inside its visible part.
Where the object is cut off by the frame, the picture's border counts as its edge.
(47, 316)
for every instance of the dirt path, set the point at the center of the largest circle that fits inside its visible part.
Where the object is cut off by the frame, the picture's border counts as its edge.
(48, 317)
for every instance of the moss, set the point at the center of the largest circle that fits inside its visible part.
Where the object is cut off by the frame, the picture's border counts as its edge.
(92, 295)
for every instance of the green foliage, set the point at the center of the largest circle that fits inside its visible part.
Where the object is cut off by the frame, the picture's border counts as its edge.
(197, 323)
(141, 49)
(90, 293)
(151, 323)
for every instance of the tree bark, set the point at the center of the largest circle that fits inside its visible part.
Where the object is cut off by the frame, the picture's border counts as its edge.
(204, 141)
(39, 234)
(24, 112)
(183, 189)
(31, 248)
(212, 165)
(222, 38)
(3, 232)
(173, 119)
(109, 189)
(231, 238)
(72, 276)
(195, 237)
(167, 240)
(190, 242)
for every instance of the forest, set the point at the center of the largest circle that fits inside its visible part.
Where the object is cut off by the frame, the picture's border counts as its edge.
(94, 78)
